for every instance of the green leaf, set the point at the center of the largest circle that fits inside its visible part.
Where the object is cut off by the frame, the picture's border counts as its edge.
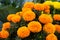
(38, 1)
(17, 38)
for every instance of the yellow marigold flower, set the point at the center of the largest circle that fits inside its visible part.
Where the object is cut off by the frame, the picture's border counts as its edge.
(49, 28)
(56, 17)
(10, 16)
(34, 26)
(29, 5)
(56, 5)
(39, 6)
(6, 25)
(23, 32)
(4, 34)
(51, 37)
(48, 2)
(45, 18)
(57, 28)
(16, 18)
(29, 16)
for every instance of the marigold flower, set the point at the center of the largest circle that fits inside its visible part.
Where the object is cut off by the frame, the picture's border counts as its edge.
(56, 5)
(6, 25)
(39, 6)
(51, 37)
(49, 28)
(46, 7)
(4, 34)
(56, 17)
(23, 32)
(25, 9)
(0, 34)
(45, 18)
(56, 2)
(57, 28)
(10, 16)
(29, 16)
(48, 2)
(34, 26)
(29, 5)
(47, 11)
(16, 18)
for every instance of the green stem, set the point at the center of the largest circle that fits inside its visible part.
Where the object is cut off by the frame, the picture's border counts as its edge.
(42, 12)
(53, 11)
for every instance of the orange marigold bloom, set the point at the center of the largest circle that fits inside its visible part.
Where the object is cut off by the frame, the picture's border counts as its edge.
(56, 17)
(47, 11)
(29, 5)
(51, 37)
(57, 28)
(25, 9)
(39, 6)
(10, 16)
(23, 32)
(0, 34)
(34, 26)
(45, 18)
(29, 16)
(46, 7)
(16, 18)
(4, 34)
(6, 25)
(49, 28)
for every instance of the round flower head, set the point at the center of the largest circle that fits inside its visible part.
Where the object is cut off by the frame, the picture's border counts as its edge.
(56, 17)
(34, 26)
(29, 16)
(49, 28)
(45, 18)
(10, 16)
(28, 5)
(39, 6)
(57, 28)
(51, 37)
(4, 34)
(25, 9)
(47, 11)
(23, 32)
(48, 2)
(6, 25)
(46, 7)
(56, 5)
(16, 18)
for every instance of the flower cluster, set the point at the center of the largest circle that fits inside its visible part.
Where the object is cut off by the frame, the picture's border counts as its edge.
(44, 21)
